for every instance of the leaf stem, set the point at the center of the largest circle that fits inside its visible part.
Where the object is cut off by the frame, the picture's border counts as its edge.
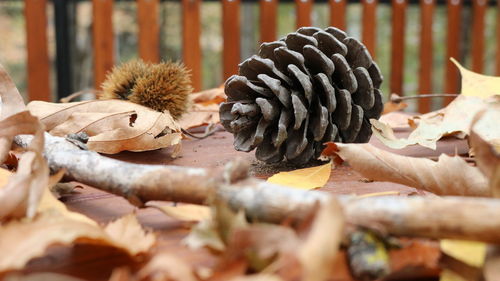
(397, 99)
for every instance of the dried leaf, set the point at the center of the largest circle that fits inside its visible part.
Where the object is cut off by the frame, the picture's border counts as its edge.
(4, 176)
(20, 196)
(184, 212)
(41, 276)
(487, 158)
(258, 277)
(440, 177)
(391, 106)
(479, 92)
(204, 234)
(128, 232)
(204, 109)
(317, 253)
(210, 96)
(113, 125)
(50, 203)
(470, 252)
(200, 115)
(27, 239)
(307, 178)
(477, 85)
(166, 266)
(395, 119)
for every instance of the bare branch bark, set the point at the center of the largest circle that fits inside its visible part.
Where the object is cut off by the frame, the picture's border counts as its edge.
(433, 217)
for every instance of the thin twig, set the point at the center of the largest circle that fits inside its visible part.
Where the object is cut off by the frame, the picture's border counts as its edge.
(397, 99)
(210, 130)
(79, 93)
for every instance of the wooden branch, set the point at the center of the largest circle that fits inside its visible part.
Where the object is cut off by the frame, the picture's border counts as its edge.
(433, 217)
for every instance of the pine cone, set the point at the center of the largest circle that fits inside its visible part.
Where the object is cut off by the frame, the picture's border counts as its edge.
(311, 87)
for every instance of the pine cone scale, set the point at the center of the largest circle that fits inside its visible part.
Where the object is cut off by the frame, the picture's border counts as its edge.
(311, 87)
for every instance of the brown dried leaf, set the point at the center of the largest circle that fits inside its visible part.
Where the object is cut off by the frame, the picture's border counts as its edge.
(455, 120)
(166, 266)
(113, 125)
(258, 277)
(40, 276)
(448, 176)
(200, 115)
(128, 232)
(27, 239)
(20, 196)
(487, 156)
(318, 252)
(204, 108)
(210, 96)
(184, 212)
(396, 119)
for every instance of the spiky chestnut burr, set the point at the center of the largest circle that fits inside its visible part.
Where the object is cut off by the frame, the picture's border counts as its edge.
(163, 87)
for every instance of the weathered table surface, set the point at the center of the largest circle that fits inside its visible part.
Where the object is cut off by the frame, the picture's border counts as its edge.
(96, 263)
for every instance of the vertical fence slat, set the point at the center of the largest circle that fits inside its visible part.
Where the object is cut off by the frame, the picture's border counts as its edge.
(479, 7)
(268, 20)
(369, 29)
(231, 36)
(102, 39)
(451, 78)
(303, 10)
(337, 13)
(37, 50)
(149, 30)
(191, 31)
(398, 45)
(426, 53)
(497, 70)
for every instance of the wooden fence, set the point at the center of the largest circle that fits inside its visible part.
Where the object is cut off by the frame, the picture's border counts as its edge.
(148, 21)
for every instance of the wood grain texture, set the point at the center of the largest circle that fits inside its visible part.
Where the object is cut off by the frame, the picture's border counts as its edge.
(398, 46)
(479, 9)
(191, 32)
(268, 20)
(231, 37)
(38, 64)
(369, 25)
(337, 13)
(452, 76)
(149, 30)
(102, 39)
(303, 12)
(427, 8)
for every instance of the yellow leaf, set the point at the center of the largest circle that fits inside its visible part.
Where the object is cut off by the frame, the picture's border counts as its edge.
(448, 275)
(477, 85)
(470, 252)
(4, 177)
(184, 212)
(307, 178)
(382, 193)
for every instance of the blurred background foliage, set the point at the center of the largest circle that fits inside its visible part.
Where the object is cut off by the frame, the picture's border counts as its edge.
(13, 39)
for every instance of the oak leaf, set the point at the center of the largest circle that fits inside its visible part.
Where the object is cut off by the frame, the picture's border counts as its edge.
(112, 125)
(448, 176)
(307, 178)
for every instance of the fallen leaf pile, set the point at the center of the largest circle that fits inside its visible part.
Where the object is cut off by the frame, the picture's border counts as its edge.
(285, 228)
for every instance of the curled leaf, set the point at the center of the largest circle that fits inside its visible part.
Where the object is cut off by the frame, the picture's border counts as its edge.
(27, 239)
(448, 176)
(113, 125)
